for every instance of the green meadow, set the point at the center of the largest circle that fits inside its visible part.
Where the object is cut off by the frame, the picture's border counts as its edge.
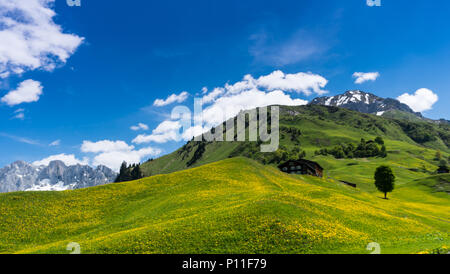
(224, 199)
(231, 206)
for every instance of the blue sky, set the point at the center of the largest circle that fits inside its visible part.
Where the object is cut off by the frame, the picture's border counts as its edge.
(115, 58)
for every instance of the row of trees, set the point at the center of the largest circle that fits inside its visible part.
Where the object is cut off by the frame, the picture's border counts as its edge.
(283, 154)
(364, 149)
(252, 150)
(129, 173)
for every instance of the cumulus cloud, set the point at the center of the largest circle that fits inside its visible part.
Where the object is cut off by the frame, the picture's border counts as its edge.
(113, 153)
(194, 131)
(105, 146)
(27, 92)
(213, 95)
(302, 83)
(30, 38)
(423, 99)
(166, 131)
(226, 102)
(67, 159)
(139, 126)
(114, 159)
(362, 77)
(229, 106)
(306, 83)
(167, 126)
(172, 99)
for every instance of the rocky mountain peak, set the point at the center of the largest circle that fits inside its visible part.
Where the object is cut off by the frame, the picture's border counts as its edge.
(19, 164)
(364, 102)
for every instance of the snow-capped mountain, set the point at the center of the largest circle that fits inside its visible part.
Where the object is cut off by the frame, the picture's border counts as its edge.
(22, 176)
(363, 102)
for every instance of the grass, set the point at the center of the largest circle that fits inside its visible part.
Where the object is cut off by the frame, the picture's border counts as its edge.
(231, 206)
(237, 205)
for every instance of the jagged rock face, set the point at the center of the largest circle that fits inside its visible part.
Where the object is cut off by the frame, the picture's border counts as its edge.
(363, 102)
(21, 176)
(18, 176)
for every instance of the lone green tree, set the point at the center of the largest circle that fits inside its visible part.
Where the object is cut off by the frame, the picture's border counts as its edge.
(384, 180)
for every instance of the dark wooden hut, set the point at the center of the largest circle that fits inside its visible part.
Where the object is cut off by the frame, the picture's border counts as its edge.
(443, 170)
(301, 166)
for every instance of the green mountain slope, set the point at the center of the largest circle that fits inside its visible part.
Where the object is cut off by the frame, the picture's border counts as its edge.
(412, 144)
(231, 206)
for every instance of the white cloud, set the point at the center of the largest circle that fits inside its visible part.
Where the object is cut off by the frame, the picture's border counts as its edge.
(213, 95)
(30, 39)
(266, 90)
(362, 77)
(166, 131)
(191, 132)
(19, 114)
(114, 159)
(423, 99)
(27, 92)
(306, 83)
(157, 138)
(139, 126)
(105, 146)
(229, 106)
(167, 126)
(68, 160)
(55, 143)
(113, 153)
(172, 99)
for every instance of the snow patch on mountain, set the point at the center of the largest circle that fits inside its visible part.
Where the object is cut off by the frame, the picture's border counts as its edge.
(45, 185)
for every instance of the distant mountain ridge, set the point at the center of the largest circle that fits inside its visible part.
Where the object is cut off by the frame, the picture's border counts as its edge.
(22, 176)
(364, 102)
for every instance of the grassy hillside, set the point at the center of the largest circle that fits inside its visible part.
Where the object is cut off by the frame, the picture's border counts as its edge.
(216, 201)
(411, 145)
(232, 206)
